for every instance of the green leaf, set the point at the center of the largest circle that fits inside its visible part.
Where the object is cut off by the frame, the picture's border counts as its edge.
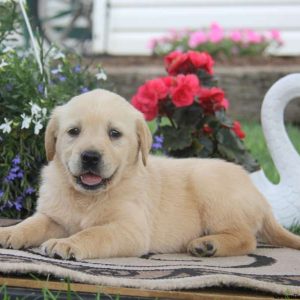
(207, 148)
(188, 116)
(176, 138)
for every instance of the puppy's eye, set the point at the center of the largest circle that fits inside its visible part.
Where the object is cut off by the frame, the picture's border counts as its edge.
(114, 134)
(74, 131)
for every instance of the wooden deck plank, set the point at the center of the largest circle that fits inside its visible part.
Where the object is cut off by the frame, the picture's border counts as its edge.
(89, 288)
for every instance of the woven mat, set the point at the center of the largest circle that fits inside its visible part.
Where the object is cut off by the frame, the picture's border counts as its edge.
(269, 269)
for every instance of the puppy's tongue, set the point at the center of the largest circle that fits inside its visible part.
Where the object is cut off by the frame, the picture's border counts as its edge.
(90, 179)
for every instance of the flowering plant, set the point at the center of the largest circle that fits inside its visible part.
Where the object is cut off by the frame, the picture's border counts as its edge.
(190, 111)
(217, 42)
(27, 97)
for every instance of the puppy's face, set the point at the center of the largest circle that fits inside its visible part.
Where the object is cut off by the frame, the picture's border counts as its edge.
(97, 137)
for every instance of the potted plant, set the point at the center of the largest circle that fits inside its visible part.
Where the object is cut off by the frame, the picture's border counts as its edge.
(191, 112)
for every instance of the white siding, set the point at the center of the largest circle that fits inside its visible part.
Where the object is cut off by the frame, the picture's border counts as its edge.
(132, 23)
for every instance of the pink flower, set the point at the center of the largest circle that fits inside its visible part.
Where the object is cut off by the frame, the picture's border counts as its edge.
(253, 37)
(152, 44)
(197, 38)
(276, 36)
(216, 33)
(175, 34)
(186, 88)
(236, 36)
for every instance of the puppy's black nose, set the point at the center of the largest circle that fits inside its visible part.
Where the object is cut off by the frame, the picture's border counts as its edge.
(90, 158)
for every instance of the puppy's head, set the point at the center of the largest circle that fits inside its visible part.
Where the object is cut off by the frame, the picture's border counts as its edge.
(97, 137)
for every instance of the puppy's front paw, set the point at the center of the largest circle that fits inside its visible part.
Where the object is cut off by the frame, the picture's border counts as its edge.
(62, 249)
(201, 247)
(13, 238)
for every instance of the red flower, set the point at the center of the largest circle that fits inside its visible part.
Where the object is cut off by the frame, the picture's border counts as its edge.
(212, 100)
(186, 63)
(159, 87)
(169, 81)
(207, 129)
(181, 89)
(238, 130)
(150, 112)
(147, 97)
(176, 63)
(201, 60)
(186, 88)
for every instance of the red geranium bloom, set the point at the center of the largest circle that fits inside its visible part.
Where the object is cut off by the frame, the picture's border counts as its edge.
(176, 63)
(147, 97)
(186, 63)
(201, 60)
(238, 130)
(186, 88)
(150, 112)
(159, 87)
(169, 81)
(212, 100)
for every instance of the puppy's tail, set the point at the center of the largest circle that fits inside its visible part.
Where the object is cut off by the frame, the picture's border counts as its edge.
(277, 235)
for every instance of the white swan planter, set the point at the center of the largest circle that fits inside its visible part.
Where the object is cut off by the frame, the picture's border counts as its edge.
(284, 197)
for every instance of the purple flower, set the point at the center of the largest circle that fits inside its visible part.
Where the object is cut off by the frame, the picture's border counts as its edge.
(18, 203)
(18, 206)
(158, 142)
(1, 193)
(77, 69)
(15, 169)
(41, 88)
(84, 90)
(11, 176)
(16, 160)
(62, 78)
(29, 191)
(20, 174)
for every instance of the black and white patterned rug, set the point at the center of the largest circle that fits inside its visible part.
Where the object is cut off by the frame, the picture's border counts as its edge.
(269, 269)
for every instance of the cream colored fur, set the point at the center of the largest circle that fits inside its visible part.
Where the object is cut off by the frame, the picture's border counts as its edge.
(152, 204)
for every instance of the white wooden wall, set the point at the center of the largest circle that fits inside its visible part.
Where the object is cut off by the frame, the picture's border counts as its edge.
(124, 27)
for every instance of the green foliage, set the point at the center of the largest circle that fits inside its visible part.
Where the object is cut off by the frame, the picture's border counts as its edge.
(185, 136)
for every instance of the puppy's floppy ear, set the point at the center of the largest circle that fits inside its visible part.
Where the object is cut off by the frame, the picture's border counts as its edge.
(51, 135)
(144, 139)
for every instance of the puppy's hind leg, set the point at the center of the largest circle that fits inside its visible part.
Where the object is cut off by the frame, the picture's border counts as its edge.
(227, 243)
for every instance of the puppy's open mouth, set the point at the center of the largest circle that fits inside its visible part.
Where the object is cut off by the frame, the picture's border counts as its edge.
(92, 181)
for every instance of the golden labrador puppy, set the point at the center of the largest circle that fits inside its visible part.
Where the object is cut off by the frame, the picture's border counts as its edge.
(102, 196)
